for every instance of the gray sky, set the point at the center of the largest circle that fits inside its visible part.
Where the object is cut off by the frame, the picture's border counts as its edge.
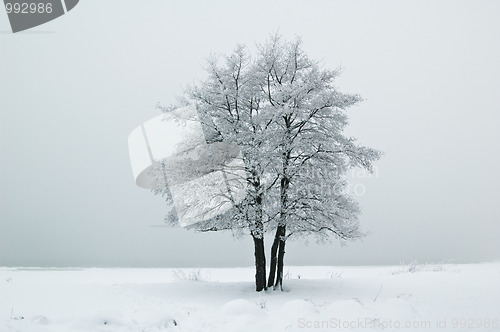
(73, 89)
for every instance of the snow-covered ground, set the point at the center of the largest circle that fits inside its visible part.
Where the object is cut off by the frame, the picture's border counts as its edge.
(424, 297)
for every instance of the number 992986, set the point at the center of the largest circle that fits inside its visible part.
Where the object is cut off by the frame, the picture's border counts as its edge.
(28, 8)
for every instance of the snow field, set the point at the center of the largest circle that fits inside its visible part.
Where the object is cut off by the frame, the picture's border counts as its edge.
(322, 298)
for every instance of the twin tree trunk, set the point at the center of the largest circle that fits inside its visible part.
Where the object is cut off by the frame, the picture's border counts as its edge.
(278, 247)
(277, 258)
(277, 255)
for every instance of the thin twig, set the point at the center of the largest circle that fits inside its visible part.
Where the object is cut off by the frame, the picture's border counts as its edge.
(375, 299)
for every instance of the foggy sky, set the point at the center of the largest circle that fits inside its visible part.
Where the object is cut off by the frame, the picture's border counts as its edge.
(73, 89)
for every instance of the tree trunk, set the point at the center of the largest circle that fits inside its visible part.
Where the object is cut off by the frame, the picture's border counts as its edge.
(281, 256)
(258, 240)
(281, 231)
(260, 263)
(274, 256)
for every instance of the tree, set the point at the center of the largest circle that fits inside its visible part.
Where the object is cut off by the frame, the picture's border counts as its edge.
(229, 107)
(314, 155)
(286, 116)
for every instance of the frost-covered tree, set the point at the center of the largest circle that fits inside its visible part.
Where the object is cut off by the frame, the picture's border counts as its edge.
(311, 152)
(229, 106)
(285, 114)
